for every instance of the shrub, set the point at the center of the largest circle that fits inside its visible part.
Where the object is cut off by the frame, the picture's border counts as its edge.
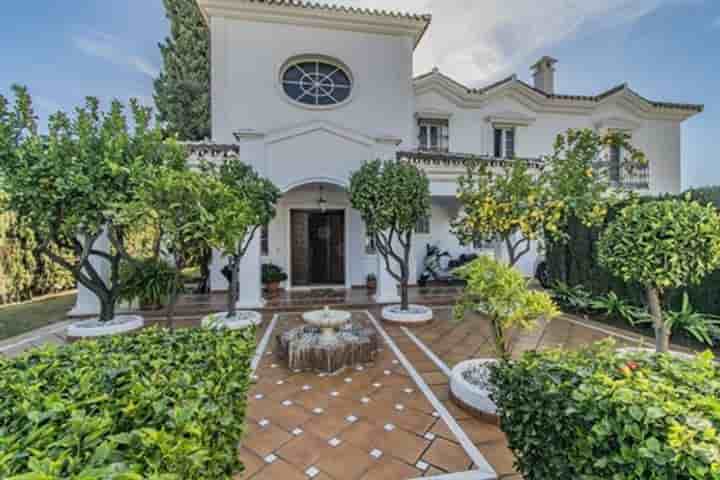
(156, 405)
(501, 292)
(150, 281)
(595, 414)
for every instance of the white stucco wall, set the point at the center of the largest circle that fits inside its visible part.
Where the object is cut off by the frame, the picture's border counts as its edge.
(247, 59)
(470, 132)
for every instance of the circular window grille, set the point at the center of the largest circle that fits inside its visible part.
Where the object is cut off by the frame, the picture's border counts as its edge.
(316, 83)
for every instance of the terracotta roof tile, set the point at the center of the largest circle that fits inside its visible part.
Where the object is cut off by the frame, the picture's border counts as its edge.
(345, 9)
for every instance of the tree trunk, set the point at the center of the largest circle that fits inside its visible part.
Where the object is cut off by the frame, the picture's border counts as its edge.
(662, 335)
(234, 283)
(502, 346)
(404, 295)
(107, 308)
(510, 251)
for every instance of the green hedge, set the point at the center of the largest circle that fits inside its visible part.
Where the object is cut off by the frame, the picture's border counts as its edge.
(595, 415)
(156, 405)
(23, 272)
(576, 263)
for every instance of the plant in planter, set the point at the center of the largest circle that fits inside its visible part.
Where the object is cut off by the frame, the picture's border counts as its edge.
(662, 244)
(391, 198)
(272, 276)
(371, 281)
(245, 205)
(70, 184)
(500, 293)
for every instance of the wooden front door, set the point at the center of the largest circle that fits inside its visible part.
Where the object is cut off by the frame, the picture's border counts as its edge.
(318, 247)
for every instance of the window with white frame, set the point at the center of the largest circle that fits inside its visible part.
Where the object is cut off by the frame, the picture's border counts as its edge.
(504, 142)
(264, 241)
(422, 227)
(370, 248)
(615, 162)
(433, 135)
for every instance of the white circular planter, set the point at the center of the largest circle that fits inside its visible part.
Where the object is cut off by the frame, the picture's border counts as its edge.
(469, 395)
(94, 328)
(242, 319)
(413, 315)
(652, 351)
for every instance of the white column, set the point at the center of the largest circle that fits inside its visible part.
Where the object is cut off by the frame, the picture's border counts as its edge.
(251, 277)
(387, 286)
(218, 282)
(87, 303)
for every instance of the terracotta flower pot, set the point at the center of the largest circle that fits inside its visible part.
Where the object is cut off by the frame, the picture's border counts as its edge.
(273, 288)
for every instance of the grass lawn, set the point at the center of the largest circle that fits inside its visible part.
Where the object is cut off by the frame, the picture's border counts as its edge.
(19, 319)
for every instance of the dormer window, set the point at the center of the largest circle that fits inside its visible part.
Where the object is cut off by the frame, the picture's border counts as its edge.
(433, 135)
(504, 142)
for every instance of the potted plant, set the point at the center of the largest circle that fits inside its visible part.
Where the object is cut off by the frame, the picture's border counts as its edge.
(371, 282)
(272, 276)
(500, 293)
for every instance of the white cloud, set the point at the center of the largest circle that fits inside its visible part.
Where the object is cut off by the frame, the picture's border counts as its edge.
(478, 41)
(109, 47)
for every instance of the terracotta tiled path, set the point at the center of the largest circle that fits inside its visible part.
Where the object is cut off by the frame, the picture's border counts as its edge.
(369, 422)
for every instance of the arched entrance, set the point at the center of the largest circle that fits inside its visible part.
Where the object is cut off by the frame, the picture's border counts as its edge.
(318, 231)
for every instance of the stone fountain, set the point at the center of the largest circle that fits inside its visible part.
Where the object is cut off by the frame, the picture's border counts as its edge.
(329, 342)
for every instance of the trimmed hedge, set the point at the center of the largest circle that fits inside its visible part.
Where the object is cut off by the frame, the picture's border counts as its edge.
(594, 414)
(23, 272)
(576, 263)
(157, 405)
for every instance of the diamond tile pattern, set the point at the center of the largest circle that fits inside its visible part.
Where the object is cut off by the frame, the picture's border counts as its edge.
(370, 423)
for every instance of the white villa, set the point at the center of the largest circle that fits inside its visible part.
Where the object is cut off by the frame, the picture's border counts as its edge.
(305, 93)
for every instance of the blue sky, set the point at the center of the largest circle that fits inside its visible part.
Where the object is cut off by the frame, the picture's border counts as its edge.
(666, 50)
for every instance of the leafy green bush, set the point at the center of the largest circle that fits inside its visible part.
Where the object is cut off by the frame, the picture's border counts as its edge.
(596, 414)
(573, 299)
(24, 272)
(157, 405)
(501, 292)
(149, 281)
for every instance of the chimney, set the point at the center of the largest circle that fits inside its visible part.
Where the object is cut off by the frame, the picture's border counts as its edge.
(544, 74)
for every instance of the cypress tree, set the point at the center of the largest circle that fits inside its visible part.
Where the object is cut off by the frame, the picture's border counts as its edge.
(182, 91)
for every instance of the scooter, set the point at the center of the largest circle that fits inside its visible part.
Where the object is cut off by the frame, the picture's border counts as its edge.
(440, 270)
(433, 266)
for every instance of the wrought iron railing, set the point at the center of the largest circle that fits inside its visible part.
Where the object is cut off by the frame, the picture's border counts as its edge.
(633, 176)
(449, 159)
(628, 175)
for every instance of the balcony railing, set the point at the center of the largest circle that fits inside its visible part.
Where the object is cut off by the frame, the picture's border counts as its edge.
(210, 151)
(455, 160)
(630, 176)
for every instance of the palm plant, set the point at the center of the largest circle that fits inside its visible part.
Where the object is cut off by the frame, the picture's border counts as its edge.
(612, 306)
(700, 326)
(573, 298)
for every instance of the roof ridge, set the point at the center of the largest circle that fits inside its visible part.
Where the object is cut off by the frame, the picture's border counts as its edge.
(346, 9)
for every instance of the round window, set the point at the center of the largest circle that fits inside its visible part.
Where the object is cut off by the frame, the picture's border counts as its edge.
(316, 83)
